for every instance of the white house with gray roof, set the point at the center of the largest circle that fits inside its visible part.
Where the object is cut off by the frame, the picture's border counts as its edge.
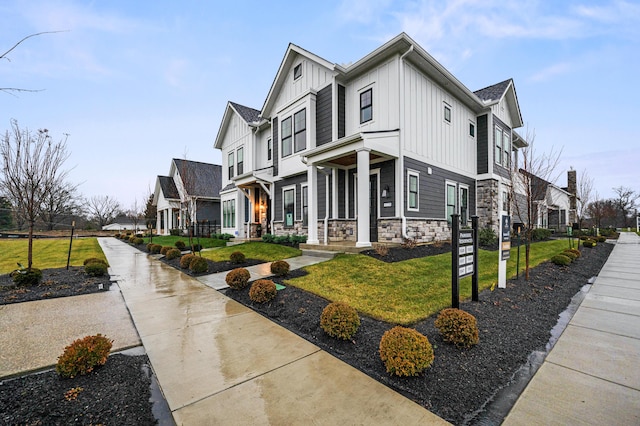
(383, 149)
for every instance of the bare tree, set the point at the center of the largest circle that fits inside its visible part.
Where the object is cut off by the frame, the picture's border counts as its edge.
(102, 209)
(60, 203)
(12, 90)
(600, 210)
(529, 185)
(136, 214)
(584, 195)
(31, 169)
(625, 203)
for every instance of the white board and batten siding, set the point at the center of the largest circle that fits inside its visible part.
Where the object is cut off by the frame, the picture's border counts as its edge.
(238, 135)
(427, 136)
(501, 110)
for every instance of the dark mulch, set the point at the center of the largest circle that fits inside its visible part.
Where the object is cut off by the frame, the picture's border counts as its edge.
(117, 393)
(513, 323)
(58, 282)
(214, 267)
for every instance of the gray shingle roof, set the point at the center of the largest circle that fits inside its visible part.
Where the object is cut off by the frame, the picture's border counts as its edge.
(494, 92)
(249, 115)
(168, 188)
(200, 179)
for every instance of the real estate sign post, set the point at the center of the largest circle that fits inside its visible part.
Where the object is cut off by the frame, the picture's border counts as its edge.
(464, 258)
(505, 249)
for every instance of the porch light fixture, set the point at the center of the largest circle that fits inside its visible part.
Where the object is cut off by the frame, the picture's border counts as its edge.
(385, 191)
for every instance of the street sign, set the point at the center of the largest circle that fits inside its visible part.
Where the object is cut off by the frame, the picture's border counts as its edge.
(505, 238)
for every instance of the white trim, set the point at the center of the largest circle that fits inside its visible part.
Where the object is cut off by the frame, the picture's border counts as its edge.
(411, 172)
(369, 86)
(447, 106)
(284, 220)
(462, 186)
(448, 183)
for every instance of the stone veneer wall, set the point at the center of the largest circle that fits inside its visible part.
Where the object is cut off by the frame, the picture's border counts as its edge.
(487, 204)
(339, 230)
(421, 230)
(297, 229)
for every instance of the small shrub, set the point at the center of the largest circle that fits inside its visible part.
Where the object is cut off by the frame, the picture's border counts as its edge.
(238, 278)
(95, 269)
(409, 243)
(281, 239)
(540, 234)
(138, 241)
(156, 248)
(131, 239)
(138, 234)
(226, 237)
(339, 320)
(405, 352)
(570, 255)
(458, 327)
(576, 252)
(117, 235)
(561, 260)
(268, 238)
(83, 355)
(262, 291)
(180, 245)
(27, 277)
(174, 232)
(94, 260)
(174, 253)
(186, 259)
(237, 257)
(382, 250)
(149, 245)
(601, 239)
(165, 249)
(487, 237)
(296, 240)
(198, 265)
(280, 268)
(196, 248)
(589, 243)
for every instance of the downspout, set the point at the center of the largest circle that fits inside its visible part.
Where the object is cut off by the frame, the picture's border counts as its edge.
(326, 206)
(403, 218)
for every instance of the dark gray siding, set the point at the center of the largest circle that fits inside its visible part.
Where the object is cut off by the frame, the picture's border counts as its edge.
(322, 198)
(295, 180)
(275, 143)
(498, 168)
(323, 115)
(482, 140)
(342, 200)
(341, 111)
(352, 191)
(208, 210)
(432, 201)
(387, 178)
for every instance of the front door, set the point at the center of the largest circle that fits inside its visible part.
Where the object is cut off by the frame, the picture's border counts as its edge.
(373, 208)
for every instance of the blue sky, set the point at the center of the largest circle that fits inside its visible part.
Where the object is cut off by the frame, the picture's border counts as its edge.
(137, 83)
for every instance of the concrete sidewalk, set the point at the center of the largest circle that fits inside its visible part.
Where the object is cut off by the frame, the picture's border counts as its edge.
(591, 375)
(219, 362)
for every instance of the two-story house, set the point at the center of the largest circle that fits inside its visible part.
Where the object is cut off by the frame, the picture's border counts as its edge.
(383, 149)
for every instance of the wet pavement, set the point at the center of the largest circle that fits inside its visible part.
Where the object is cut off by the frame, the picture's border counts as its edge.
(219, 362)
(591, 375)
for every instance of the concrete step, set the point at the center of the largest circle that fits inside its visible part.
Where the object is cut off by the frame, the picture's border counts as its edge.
(334, 247)
(320, 253)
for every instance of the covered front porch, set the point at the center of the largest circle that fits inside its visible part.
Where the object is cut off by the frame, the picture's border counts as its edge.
(256, 189)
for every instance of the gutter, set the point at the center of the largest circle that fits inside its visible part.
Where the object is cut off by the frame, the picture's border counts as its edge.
(400, 191)
(326, 206)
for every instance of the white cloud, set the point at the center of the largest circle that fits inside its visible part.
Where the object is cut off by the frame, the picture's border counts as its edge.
(551, 71)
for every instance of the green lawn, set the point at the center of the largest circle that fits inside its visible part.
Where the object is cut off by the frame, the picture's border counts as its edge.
(405, 292)
(47, 252)
(253, 250)
(170, 240)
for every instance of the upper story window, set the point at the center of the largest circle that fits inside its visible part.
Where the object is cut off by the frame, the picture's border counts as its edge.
(472, 130)
(297, 71)
(506, 147)
(447, 113)
(285, 131)
(269, 149)
(498, 144)
(413, 187)
(240, 159)
(230, 163)
(300, 130)
(366, 106)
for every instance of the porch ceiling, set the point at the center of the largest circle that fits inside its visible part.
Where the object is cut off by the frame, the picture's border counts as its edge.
(351, 159)
(343, 151)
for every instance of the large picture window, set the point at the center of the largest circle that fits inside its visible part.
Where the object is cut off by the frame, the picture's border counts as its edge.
(230, 163)
(413, 186)
(228, 213)
(451, 200)
(285, 128)
(498, 144)
(366, 106)
(300, 130)
(288, 206)
(240, 159)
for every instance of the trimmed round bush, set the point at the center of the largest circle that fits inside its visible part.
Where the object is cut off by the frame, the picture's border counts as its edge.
(198, 265)
(186, 259)
(94, 260)
(569, 254)
(601, 239)
(458, 327)
(262, 291)
(149, 245)
(95, 269)
(237, 257)
(561, 260)
(180, 245)
(339, 320)
(83, 355)
(155, 249)
(588, 243)
(174, 253)
(574, 251)
(238, 278)
(27, 277)
(280, 268)
(405, 352)
(165, 249)
(138, 241)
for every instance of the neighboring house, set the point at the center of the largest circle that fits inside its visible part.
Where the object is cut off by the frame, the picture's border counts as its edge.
(189, 195)
(383, 149)
(123, 223)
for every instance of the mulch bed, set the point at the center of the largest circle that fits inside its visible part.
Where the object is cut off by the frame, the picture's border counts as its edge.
(513, 323)
(58, 282)
(214, 267)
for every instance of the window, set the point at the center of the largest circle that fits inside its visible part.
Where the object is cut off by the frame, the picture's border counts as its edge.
(230, 162)
(506, 146)
(305, 206)
(286, 136)
(464, 205)
(472, 130)
(288, 206)
(498, 142)
(366, 106)
(269, 149)
(240, 158)
(505, 201)
(412, 199)
(297, 71)
(300, 130)
(451, 201)
(447, 113)
(228, 214)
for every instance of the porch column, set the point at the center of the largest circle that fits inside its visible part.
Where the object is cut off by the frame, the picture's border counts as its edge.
(363, 198)
(312, 192)
(165, 231)
(158, 222)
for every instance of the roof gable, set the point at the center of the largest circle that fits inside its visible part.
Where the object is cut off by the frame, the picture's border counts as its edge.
(198, 179)
(504, 90)
(250, 116)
